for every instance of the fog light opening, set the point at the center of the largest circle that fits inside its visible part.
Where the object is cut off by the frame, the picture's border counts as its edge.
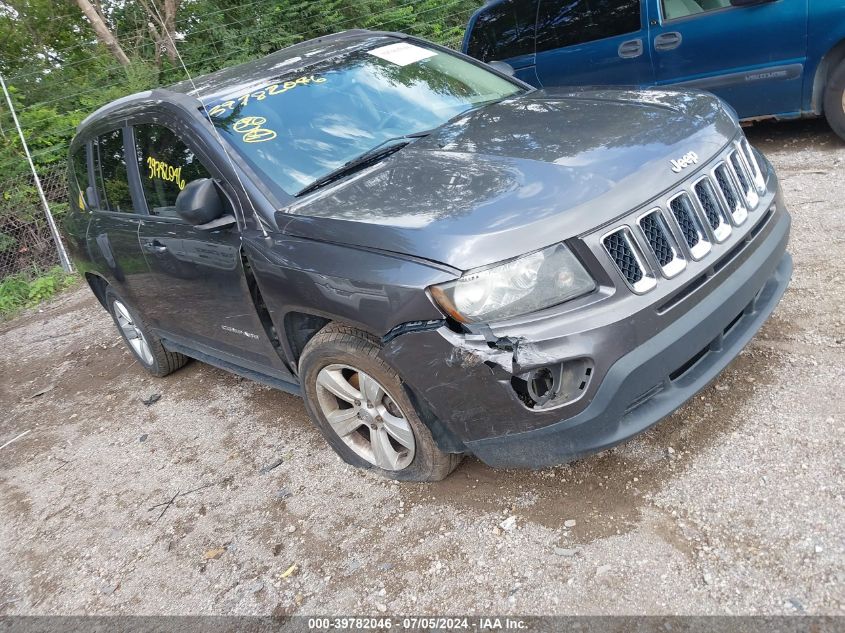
(541, 386)
(553, 386)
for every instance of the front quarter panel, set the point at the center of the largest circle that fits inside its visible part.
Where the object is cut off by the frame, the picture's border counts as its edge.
(370, 290)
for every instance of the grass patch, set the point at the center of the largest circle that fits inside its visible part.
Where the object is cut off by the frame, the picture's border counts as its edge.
(26, 290)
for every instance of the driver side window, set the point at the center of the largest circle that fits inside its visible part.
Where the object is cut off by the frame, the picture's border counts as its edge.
(503, 31)
(674, 9)
(166, 166)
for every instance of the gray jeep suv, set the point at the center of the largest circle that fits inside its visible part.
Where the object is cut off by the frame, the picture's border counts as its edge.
(440, 259)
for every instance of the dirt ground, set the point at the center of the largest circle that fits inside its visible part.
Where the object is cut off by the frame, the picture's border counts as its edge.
(734, 505)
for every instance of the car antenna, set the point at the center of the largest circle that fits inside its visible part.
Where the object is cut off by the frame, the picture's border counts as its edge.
(205, 109)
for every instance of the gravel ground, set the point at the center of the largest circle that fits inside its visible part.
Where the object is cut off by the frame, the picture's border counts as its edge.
(734, 505)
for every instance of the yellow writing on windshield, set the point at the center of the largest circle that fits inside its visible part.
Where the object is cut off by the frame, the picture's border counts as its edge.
(250, 128)
(272, 90)
(160, 170)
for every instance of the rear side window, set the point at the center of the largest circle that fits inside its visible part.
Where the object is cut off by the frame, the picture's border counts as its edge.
(504, 30)
(78, 177)
(166, 166)
(562, 23)
(110, 178)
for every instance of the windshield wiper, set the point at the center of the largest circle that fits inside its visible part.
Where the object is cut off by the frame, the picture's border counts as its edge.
(370, 157)
(383, 150)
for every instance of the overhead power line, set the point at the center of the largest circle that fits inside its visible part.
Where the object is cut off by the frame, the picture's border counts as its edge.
(240, 36)
(229, 54)
(145, 31)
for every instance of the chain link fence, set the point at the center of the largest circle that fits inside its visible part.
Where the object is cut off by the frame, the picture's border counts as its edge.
(26, 245)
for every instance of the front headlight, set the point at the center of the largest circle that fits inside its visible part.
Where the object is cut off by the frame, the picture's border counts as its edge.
(520, 286)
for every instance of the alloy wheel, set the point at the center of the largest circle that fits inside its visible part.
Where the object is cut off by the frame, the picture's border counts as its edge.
(365, 416)
(133, 335)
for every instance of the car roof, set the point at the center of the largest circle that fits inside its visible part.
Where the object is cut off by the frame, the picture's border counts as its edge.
(290, 59)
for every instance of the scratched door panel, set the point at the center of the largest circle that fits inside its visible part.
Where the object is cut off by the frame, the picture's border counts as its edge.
(199, 291)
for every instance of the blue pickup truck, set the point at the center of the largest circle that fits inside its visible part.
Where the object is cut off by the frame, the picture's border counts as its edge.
(767, 58)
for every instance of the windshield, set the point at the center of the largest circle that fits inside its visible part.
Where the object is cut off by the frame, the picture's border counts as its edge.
(297, 128)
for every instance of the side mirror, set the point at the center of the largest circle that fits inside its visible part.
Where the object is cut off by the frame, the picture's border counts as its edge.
(503, 67)
(199, 202)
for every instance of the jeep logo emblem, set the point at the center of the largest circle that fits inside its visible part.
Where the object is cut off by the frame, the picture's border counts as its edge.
(688, 159)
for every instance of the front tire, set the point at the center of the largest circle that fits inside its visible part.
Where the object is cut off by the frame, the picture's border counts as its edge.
(144, 345)
(361, 408)
(834, 100)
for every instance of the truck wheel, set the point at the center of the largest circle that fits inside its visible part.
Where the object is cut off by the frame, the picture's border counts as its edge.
(358, 403)
(834, 100)
(145, 345)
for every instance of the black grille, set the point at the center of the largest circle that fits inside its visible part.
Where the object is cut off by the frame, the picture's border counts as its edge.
(656, 238)
(740, 173)
(709, 204)
(624, 258)
(726, 187)
(683, 214)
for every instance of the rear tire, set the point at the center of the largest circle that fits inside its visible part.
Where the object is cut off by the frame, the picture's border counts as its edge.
(144, 345)
(834, 100)
(374, 424)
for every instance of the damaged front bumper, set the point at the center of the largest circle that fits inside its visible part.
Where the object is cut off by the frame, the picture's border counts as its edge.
(627, 372)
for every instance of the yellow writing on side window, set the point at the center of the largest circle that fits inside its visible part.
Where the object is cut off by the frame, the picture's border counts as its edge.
(158, 169)
(272, 90)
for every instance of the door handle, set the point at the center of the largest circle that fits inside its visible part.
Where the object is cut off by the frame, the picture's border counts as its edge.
(668, 41)
(630, 49)
(154, 247)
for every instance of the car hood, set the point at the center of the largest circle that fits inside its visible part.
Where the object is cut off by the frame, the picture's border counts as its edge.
(518, 175)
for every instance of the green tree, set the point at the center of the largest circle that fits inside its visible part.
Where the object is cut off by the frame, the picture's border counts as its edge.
(60, 69)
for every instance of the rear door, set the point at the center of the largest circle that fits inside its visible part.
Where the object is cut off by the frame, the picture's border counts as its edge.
(115, 220)
(601, 42)
(200, 295)
(504, 31)
(751, 56)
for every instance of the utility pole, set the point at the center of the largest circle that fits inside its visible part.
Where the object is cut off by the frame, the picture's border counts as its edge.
(63, 258)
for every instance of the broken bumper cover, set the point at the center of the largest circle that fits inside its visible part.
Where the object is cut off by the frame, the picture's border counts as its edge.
(465, 396)
(614, 416)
